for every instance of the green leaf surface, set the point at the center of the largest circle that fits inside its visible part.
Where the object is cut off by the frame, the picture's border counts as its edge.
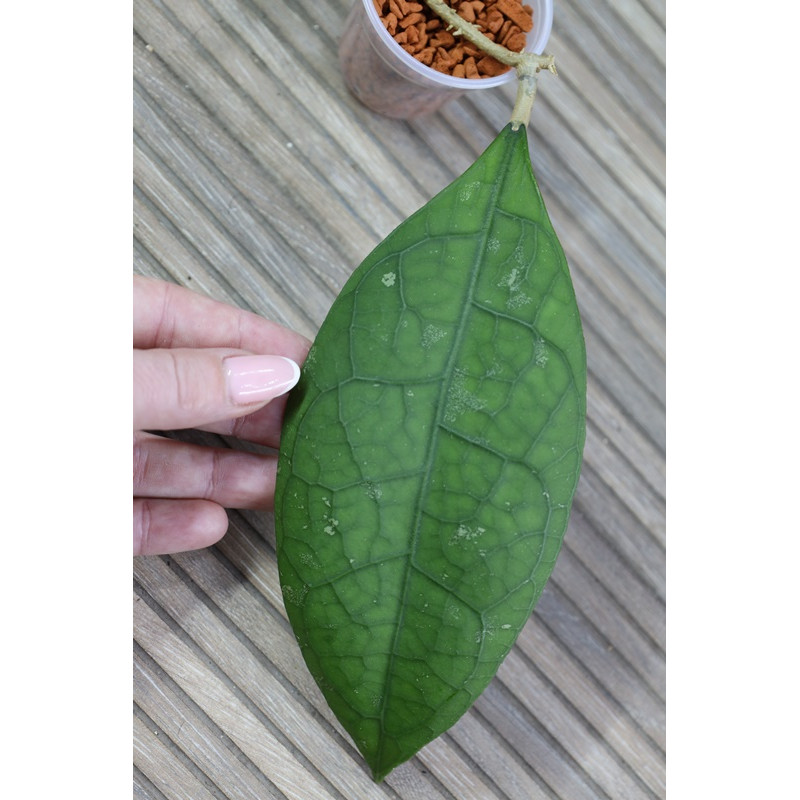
(429, 458)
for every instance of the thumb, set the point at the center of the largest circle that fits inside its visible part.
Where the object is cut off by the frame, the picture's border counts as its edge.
(186, 388)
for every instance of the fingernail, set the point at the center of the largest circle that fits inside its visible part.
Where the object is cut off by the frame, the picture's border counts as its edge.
(253, 379)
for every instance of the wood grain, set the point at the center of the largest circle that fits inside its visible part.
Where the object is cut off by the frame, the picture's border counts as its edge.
(259, 180)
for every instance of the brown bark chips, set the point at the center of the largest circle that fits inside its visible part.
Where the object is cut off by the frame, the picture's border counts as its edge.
(420, 32)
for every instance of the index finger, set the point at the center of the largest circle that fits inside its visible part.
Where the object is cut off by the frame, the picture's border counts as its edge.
(166, 315)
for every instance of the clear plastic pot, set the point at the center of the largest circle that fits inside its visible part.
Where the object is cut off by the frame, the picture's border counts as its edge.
(390, 81)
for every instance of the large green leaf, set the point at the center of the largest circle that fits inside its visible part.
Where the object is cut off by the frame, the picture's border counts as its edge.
(429, 457)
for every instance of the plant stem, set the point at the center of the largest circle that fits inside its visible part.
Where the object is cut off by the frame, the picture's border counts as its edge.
(527, 65)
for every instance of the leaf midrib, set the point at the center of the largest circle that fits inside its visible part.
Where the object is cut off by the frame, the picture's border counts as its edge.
(436, 433)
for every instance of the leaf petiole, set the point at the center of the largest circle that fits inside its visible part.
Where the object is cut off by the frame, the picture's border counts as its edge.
(527, 80)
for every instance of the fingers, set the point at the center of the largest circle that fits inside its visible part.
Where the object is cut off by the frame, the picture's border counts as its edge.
(194, 367)
(165, 468)
(173, 526)
(166, 315)
(261, 427)
(181, 491)
(187, 388)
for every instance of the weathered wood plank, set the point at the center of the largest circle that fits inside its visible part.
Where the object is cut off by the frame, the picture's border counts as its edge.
(156, 761)
(277, 765)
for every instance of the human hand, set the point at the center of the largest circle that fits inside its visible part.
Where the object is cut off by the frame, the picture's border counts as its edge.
(197, 364)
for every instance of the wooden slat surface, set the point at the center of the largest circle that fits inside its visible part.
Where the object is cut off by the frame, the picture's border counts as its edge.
(260, 181)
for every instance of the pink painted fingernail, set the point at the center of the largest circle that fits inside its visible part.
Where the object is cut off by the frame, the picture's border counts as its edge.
(253, 379)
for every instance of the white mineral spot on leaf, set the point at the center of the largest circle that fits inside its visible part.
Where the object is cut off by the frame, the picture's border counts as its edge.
(308, 560)
(388, 279)
(508, 281)
(466, 534)
(516, 297)
(490, 628)
(430, 335)
(373, 490)
(460, 399)
(518, 300)
(296, 597)
(540, 355)
(467, 190)
(332, 525)
(493, 244)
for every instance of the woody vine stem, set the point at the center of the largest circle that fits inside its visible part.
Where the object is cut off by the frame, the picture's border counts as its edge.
(527, 65)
